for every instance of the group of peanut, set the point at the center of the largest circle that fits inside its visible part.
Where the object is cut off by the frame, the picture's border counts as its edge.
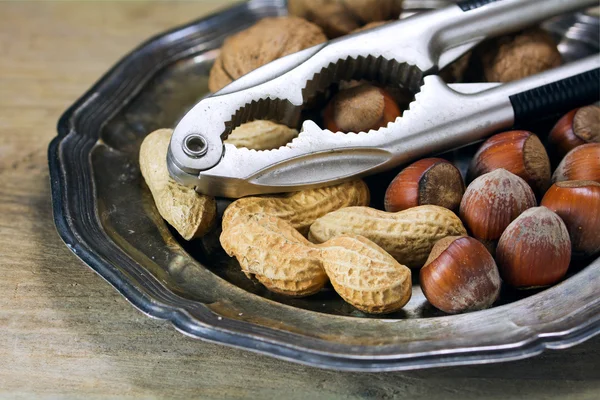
(294, 244)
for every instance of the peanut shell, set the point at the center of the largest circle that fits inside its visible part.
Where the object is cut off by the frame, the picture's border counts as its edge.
(272, 251)
(189, 212)
(261, 135)
(364, 275)
(301, 209)
(407, 235)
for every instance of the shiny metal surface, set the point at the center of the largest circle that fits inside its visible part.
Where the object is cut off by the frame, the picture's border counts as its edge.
(406, 51)
(106, 215)
(440, 119)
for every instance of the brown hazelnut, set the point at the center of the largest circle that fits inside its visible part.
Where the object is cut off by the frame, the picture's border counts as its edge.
(519, 152)
(263, 42)
(460, 275)
(512, 57)
(428, 181)
(577, 203)
(577, 127)
(359, 109)
(340, 17)
(534, 250)
(580, 164)
(494, 200)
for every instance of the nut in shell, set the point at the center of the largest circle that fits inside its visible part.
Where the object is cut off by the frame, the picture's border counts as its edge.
(302, 208)
(534, 250)
(192, 214)
(492, 201)
(432, 181)
(340, 17)
(272, 251)
(577, 203)
(267, 40)
(577, 127)
(408, 235)
(519, 152)
(364, 275)
(261, 135)
(513, 57)
(581, 163)
(278, 256)
(360, 109)
(460, 275)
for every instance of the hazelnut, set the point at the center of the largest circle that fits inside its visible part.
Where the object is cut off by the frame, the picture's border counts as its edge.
(359, 109)
(460, 275)
(577, 127)
(492, 201)
(265, 41)
(340, 17)
(512, 57)
(534, 250)
(432, 181)
(581, 163)
(519, 152)
(577, 203)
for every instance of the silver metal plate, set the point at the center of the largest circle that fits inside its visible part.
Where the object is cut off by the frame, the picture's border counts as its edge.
(106, 215)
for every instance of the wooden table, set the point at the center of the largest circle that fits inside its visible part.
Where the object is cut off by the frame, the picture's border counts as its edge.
(64, 332)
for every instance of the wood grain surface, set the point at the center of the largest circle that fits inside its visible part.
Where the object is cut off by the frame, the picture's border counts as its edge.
(66, 333)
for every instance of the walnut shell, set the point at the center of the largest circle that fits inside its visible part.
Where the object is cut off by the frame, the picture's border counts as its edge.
(340, 17)
(267, 40)
(512, 57)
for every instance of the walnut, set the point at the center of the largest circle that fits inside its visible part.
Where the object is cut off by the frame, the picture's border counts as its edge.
(267, 40)
(371, 25)
(512, 57)
(340, 17)
(455, 71)
(359, 109)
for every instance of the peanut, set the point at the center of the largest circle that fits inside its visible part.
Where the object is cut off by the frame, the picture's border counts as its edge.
(271, 250)
(364, 275)
(261, 135)
(301, 209)
(277, 255)
(407, 235)
(189, 212)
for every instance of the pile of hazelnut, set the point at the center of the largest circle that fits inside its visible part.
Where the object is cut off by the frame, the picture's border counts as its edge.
(528, 246)
(511, 173)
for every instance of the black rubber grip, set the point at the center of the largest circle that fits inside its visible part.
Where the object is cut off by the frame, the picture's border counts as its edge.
(557, 97)
(468, 5)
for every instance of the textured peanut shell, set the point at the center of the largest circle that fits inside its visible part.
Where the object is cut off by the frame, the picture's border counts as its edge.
(278, 256)
(261, 135)
(270, 250)
(340, 17)
(189, 212)
(364, 275)
(263, 42)
(407, 235)
(301, 209)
